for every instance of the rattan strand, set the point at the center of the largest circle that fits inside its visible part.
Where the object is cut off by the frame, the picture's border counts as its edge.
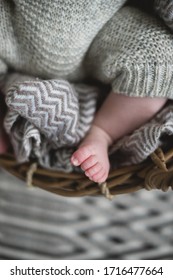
(154, 173)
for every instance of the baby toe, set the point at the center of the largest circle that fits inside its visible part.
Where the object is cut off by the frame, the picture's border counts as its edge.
(89, 162)
(94, 170)
(99, 176)
(81, 155)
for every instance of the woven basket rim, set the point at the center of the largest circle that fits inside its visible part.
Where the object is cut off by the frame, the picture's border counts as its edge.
(154, 173)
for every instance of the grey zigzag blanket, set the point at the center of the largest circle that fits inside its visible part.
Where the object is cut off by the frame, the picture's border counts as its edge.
(47, 120)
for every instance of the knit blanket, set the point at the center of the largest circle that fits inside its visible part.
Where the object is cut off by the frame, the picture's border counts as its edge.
(47, 120)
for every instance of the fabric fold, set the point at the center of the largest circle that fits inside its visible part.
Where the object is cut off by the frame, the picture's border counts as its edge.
(46, 120)
(136, 147)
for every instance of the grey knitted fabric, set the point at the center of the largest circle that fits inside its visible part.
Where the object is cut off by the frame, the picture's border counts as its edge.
(134, 53)
(72, 39)
(46, 120)
(49, 39)
(136, 147)
(164, 8)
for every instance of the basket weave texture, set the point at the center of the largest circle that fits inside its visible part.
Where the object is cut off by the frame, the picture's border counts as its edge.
(154, 173)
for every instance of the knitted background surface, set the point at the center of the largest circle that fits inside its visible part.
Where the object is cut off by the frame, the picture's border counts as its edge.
(35, 224)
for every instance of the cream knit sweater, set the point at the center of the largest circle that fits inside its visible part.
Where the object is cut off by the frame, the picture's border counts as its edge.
(74, 39)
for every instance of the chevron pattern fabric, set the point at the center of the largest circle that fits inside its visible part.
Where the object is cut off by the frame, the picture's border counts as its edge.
(46, 120)
(51, 106)
(145, 140)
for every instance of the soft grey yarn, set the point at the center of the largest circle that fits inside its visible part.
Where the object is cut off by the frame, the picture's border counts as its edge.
(164, 8)
(73, 39)
(46, 120)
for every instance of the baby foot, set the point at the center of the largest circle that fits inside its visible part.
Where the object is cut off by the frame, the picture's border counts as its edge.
(92, 155)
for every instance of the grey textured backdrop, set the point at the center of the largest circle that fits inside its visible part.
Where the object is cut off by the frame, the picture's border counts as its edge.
(35, 224)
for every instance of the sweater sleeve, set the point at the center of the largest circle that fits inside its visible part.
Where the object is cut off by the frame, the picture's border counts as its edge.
(6, 39)
(133, 53)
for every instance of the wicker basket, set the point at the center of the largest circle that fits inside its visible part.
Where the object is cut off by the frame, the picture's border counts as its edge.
(154, 173)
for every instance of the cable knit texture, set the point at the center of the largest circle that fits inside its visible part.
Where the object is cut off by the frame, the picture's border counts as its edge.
(71, 39)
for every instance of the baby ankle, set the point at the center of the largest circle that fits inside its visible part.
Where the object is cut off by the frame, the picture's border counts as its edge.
(102, 133)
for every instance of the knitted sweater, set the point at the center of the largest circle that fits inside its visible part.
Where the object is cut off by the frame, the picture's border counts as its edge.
(74, 39)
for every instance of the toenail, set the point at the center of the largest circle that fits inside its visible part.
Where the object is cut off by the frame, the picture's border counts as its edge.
(75, 161)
